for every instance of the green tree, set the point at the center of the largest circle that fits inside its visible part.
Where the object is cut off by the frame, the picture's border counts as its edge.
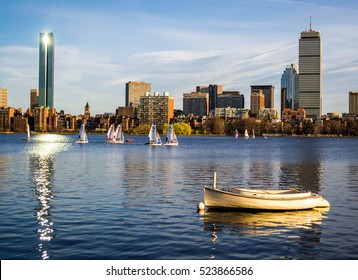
(182, 128)
(141, 129)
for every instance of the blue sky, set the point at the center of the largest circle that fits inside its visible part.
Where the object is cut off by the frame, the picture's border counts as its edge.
(174, 45)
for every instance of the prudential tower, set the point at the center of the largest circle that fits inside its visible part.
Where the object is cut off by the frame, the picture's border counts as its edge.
(46, 69)
(310, 77)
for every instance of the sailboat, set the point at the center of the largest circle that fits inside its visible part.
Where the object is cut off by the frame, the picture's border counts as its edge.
(236, 133)
(82, 136)
(27, 138)
(110, 134)
(253, 133)
(171, 139)
(118, 137)
(153, 137)
(246, 134)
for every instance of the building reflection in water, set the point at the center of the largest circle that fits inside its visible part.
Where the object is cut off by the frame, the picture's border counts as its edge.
(41, 165)
(305, 171)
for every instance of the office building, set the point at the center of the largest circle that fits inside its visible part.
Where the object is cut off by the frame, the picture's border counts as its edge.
(3, 97)
(196, 103)
(289, 88)
(125, 112)
(34, 98)
(156, 108)
(231, 99)
(257, 102)
(41, 115)
(134, 90)
(268, 91)
(6, 114)
(231, 113)
(202, 89)
(46, 69)
(213, 91)
(353, 102)
(20, 123)
(310, 77)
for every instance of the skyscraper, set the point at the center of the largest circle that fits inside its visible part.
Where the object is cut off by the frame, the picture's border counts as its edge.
(213, 91)
(289, 88)
(231, 99)
(134, 90)
(353, 102)
(310, 78)
(196, 103)
(3, 97)
(156, 108)
(269, 93)
(34, 98)
(46, 69)
(257, 102)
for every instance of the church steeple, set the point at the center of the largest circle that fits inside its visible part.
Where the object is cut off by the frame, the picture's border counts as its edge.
(87, 110)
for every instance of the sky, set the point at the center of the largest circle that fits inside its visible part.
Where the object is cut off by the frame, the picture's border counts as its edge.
(174, 45)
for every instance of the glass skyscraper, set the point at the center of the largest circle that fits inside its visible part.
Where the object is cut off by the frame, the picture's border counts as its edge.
(289, 88)
(46, 69)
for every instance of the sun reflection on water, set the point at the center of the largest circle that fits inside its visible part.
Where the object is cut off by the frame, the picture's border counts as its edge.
(42, 153)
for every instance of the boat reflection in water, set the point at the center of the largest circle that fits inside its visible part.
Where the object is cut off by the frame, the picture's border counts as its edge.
(302, 226)
(42, 152)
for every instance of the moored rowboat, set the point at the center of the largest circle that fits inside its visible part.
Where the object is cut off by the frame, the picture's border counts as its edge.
(272, 200)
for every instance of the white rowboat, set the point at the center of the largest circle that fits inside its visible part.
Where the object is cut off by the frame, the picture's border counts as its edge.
(272, 200)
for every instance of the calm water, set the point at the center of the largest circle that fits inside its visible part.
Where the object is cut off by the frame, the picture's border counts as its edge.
(60, 200)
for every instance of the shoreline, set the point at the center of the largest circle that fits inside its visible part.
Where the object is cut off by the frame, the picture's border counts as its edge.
(201, 135)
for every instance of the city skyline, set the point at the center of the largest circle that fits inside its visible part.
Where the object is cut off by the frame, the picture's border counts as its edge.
(174, 46)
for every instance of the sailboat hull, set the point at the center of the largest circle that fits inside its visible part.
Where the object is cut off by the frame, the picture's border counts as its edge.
(82, 141)
(154, 144)
(170, 144)
(116, 142)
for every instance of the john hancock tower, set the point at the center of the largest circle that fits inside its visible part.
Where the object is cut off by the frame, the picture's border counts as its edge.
(46, 69)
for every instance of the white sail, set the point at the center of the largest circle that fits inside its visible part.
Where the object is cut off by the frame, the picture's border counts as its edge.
(118, 137)
(253, 133)
(171, 138)
(82, 136)
(28, 133)
(236, 133)
(110, 133)
(246, 134)
(158, 139)
(154, 137)
(27, 138)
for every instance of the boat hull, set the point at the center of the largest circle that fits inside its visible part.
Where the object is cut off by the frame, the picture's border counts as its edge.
(154, 144)
(116, 142)
(170, 144)
(216, 198)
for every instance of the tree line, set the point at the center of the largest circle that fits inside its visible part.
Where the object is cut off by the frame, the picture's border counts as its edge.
(219, 126)
(335, 127)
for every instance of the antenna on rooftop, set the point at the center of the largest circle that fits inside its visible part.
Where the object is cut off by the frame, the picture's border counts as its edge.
(310, 23)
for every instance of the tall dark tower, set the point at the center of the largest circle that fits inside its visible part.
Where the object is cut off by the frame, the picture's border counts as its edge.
(46, 69)
(310, 77)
